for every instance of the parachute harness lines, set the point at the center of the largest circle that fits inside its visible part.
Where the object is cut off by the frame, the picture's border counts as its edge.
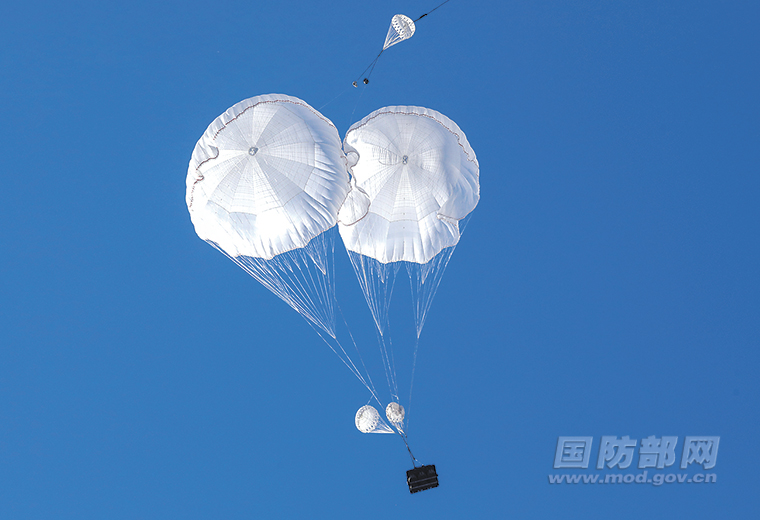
(402, 28)
(415, 177)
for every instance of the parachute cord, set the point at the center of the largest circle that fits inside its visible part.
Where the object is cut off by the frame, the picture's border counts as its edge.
(391, 361)
(349, 364)
(369, 378)
(373, 67)
(411, 383)
(414, 459)
(333, 99)
(424, 15)
(389, 375)
(351, 119)
(370, 66)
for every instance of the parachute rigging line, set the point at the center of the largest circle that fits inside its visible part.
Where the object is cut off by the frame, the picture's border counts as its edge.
(414, 459)
(333, 99)
(371, 66)
(369, 378)
(439, 5)
(346, 359)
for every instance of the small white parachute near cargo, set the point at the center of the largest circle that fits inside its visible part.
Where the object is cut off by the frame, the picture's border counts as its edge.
(368, 420)
(395, 414)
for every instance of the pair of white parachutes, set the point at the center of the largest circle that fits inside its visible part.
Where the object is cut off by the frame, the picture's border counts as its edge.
(270, 178)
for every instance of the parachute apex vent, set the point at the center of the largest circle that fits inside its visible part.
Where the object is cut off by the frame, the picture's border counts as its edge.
(422, 478)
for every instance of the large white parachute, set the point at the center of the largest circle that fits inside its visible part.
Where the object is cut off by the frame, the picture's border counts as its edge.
(414, 178)
(264, 186)
(419, 176)
(266, 177)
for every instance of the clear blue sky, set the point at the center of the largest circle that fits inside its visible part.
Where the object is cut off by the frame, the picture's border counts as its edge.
(607, 283)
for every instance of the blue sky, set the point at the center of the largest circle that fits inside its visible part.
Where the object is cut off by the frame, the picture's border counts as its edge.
(607, 283)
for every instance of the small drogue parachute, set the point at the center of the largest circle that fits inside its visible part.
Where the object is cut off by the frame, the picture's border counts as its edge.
(368, 420)
(395, 414)
(402, 28)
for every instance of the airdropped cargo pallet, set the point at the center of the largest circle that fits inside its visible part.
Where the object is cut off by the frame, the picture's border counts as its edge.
(422, 478)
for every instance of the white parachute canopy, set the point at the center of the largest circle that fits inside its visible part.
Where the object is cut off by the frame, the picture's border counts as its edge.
(402, 28)
(264, 186)
(416, 175)
(414, 178)
(368, 420)
(395, 414)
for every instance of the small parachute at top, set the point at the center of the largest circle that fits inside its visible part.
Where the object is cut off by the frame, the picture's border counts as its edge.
(402, 28)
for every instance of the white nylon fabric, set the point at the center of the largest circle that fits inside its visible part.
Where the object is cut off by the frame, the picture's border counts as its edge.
(368, 420)
(419, 176)
(415, 180)
(395, 414)
(402, 28)
(264, 186)
(266, 177)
